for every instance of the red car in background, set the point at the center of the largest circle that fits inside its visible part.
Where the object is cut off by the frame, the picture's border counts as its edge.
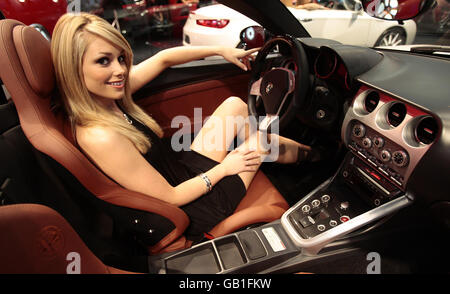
(176, 13)
(134, 18)
(43, 12)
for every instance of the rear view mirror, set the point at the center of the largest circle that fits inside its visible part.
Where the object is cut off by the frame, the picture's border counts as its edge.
(252, 37)
(396, 9)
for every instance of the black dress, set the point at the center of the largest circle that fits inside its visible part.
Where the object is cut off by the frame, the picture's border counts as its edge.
(176, 167)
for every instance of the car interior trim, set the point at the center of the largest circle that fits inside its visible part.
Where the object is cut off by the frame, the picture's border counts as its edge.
(313, 245)
(376, 120)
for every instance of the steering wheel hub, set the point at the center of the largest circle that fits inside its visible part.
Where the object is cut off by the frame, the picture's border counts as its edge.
(273, 96)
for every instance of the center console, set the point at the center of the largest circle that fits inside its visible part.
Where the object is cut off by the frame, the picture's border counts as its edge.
(348, 201)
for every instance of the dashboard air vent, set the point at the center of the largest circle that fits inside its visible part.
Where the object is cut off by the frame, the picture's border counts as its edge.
(371, 101)
(426, 130)
(396, 114)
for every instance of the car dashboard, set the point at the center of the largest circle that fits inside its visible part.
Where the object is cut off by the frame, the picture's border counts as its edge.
(392, 112)
(395, 112)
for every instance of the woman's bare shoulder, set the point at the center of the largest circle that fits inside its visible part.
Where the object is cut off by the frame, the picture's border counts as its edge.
(95, 134)
(99, 138)
(118, 158)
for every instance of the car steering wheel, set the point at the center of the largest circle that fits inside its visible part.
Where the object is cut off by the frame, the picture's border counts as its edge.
(282, 89)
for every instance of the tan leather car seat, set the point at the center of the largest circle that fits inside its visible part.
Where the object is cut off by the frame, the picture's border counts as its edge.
(35, 239)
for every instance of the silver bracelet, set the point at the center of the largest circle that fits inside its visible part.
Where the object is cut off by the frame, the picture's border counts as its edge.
(207, 182)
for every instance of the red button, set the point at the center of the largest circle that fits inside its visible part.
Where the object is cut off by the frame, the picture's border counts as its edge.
(344, 218)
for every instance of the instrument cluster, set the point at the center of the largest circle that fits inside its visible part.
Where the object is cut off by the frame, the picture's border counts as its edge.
(329, 67)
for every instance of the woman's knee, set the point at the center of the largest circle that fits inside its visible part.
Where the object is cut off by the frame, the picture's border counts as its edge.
(236, 105)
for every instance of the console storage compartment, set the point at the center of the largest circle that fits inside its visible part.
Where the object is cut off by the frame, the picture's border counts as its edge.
(230, 252)
(246, 251)
(199, 260)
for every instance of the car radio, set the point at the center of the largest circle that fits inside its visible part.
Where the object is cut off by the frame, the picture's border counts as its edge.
(387, 158)
(366, 180)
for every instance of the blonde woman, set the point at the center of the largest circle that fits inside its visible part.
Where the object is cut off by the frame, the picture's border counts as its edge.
(95, 77)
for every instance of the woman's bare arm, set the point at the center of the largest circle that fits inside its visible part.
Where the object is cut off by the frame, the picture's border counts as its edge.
(117, 157)
(150, 68)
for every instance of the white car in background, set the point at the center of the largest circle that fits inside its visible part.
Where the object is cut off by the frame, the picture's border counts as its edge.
(220, 25)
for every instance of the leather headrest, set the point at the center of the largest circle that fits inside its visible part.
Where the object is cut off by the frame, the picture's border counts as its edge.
(35, 56)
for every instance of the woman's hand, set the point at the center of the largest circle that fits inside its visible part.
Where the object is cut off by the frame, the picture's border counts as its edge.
(240, 57)
(240, 160)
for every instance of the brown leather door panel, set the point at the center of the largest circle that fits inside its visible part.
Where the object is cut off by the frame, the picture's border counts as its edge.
(207, 95)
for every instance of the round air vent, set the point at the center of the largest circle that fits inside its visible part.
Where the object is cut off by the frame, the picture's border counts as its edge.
(426, 130)
(371, 101)
(396, 114)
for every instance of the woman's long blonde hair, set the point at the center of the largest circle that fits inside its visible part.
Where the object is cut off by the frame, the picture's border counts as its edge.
(68, 46)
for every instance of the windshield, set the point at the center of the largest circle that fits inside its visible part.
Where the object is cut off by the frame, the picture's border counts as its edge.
(346, 22)
(153, 25)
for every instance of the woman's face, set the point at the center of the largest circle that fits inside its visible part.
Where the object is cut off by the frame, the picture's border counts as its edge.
(104, 70)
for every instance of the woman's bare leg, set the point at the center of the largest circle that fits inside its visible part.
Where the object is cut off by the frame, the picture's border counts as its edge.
(218, 133)
(229, 120)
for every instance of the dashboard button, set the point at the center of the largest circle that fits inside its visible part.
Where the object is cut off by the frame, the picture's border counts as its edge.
(306, 208)
(372, 161)
(367, 143)
(325, 198)
(385, 155)
(396, 181)
(359, 130)
(333, 223)
(307, 221)
(400, 158)
(383, 171)
(321, 227)
(320, 114)
(315, 203)
(391, 172)
(362, 154)
(378, 142)
(344, 218)
(344, 205)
